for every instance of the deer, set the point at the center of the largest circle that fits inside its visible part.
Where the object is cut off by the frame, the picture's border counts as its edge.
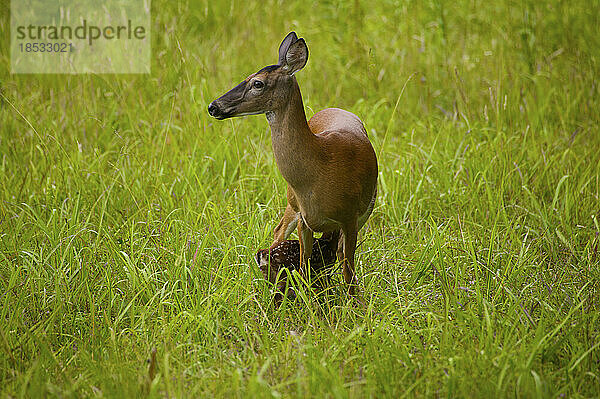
(286, 254)
(328, 162)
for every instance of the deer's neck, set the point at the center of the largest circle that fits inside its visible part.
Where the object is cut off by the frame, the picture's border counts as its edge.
(292, 140)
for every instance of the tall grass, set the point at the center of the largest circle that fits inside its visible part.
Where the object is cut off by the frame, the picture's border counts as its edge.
(129, 219)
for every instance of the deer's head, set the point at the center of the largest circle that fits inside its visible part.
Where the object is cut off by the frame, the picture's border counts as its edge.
(266, 89)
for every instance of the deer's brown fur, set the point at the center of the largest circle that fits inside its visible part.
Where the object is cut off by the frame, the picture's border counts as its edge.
(328, 162)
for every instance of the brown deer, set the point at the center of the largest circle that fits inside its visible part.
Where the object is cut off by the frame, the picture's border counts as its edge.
(328, 162)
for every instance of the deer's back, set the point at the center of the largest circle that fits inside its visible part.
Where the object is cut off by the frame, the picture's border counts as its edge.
(336, 119)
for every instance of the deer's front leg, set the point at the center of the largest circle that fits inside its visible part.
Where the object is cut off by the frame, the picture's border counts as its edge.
(286, 226)
(289, 221)
(306, 244)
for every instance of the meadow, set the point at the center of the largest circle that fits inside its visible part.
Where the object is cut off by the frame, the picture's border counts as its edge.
(129, 218)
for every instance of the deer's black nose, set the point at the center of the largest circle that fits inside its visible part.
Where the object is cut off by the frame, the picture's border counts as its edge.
(212, 109)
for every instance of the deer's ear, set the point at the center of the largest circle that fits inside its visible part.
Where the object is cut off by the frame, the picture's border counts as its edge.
(296, 57)
(285, 45)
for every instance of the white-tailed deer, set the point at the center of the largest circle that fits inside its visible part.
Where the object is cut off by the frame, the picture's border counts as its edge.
(328, 162)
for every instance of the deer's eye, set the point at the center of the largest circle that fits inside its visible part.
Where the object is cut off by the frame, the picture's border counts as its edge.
(258, 84)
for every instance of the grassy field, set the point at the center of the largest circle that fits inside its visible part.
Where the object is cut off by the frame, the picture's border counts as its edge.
(129, 218)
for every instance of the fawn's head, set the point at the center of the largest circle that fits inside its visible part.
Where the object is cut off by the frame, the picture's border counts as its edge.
(266, 89)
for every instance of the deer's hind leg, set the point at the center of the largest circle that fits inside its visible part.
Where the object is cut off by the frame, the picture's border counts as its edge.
(349, 237)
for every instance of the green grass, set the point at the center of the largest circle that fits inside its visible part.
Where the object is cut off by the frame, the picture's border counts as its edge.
(129, 218)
